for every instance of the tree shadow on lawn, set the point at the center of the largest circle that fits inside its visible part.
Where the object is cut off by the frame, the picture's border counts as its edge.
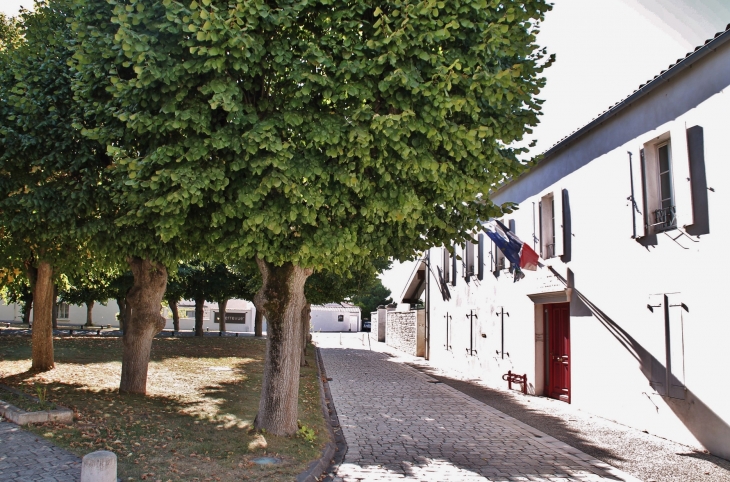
(195, 422)
(89, 350)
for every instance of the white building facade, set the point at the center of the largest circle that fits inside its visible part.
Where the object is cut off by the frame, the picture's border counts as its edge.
(240, 315)
(342, 317)
(626, 319)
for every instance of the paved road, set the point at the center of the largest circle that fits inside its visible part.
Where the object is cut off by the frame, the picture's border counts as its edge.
(25, 457)
(400, 423)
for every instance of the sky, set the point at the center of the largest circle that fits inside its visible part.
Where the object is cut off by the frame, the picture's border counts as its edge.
(605, 49)
(11, 7)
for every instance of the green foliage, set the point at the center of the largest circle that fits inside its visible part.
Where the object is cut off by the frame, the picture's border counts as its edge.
(319, 133)
(210, 281)
(9, 32)
(17, 291)
(120, 285)
(306, 433)
(371, 296)
(89, 288)
(50, 175)
(330, 287)
(175, 285)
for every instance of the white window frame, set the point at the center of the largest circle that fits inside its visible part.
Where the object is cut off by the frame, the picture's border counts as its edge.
(63, 311)
(446, 259)
(469, 263)
(658, 217)
(551, 225)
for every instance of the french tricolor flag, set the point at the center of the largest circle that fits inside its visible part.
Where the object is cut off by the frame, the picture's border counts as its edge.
(517, 252)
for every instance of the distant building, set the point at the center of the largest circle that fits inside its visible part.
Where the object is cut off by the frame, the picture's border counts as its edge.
(336, 317)
(240, 315)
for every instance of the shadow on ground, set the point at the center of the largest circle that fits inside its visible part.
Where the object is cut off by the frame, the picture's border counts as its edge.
(620, 455)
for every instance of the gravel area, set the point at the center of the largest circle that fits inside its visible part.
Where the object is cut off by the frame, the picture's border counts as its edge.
(640, 454)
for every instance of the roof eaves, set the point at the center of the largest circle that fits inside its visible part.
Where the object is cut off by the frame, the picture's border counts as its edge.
(680, 65)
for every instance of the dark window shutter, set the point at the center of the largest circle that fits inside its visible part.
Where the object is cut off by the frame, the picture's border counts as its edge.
(647, 239)
(698, 182)
(644, 191)
(539, 227)
(480, 266)
(495, 260)
(453, 268)
(447, 265)
(567, 231)
(512, 227)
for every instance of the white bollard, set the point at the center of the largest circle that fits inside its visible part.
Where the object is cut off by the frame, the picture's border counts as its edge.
(100, 466)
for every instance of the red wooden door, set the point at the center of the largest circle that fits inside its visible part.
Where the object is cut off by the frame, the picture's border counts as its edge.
(557, 317)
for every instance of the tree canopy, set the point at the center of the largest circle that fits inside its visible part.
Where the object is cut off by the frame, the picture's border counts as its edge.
(309, 132)
(51, 176)
(371, 296)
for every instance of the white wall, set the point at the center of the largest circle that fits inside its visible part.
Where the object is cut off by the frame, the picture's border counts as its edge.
(107, 315)
(326, 320)
(101, 315)
(610, 373)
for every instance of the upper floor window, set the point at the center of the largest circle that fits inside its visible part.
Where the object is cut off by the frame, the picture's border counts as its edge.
(446, 263)
(660, 213)
(547, 227)
(469, 261)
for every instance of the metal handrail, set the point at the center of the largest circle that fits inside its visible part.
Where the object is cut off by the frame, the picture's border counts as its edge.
(665, 217)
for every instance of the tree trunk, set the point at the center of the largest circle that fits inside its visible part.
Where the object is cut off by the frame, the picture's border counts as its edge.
(222, 315)
(89, 309)
(258, 324)
(144, 300)
(199, 310)
(306, 315)
(175, 316)
(26, 310)
(42, 333)
(281, 298)
(127, 311)
(54, 315)
(122, 304)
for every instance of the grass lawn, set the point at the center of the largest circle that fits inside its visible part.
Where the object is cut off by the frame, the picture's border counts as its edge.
(195, 422)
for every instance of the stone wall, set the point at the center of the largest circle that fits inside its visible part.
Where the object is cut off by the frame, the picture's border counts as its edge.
(401, 330)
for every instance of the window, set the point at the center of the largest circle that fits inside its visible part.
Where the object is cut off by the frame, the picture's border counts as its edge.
(446, 264)
(551, 225)
(453, 267)
(547, 226)
(660, 213)
(468, 260)
(63, 311)
(499, 262)
(340, 317)
(480, 266)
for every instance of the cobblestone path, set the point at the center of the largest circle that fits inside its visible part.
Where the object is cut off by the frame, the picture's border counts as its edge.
(402, 424)
(28, 458)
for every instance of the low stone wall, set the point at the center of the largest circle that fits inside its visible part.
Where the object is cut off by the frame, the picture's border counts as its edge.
(401, 330)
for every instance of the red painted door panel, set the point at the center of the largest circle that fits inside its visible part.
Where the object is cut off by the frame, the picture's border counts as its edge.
(558, 341)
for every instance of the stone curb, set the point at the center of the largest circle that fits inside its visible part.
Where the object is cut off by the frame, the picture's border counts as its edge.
(334, 452)
(21, 417)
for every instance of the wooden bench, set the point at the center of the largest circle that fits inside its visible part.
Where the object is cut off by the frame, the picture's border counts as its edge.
(84, 328)
(511, 378)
